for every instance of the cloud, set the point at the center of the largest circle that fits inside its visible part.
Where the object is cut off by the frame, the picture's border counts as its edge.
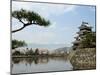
(41, 35)
(36, 37)
(44, 9)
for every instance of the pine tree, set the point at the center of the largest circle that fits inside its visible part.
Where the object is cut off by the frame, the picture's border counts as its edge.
(28, 18)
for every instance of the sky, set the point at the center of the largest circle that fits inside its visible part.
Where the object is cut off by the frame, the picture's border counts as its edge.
(65, 20)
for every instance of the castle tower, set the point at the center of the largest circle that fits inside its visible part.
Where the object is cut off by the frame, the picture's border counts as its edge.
(83, 29)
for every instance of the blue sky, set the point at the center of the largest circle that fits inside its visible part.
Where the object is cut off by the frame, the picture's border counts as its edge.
(65, 20)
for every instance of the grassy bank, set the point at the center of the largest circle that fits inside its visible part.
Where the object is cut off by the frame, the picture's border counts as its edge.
(83, 59)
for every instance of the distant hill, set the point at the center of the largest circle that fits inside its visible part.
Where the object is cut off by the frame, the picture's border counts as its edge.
(63, 49)
(47, 46)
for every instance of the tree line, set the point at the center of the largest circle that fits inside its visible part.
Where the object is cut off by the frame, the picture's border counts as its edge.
(27, 53)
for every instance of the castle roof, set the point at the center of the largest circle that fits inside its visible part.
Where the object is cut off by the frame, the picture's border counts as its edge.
(82, 31)
(76, 42)
(85, 25)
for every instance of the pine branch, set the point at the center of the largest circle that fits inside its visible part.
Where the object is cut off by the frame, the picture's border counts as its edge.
(18, 29)
(25, 25)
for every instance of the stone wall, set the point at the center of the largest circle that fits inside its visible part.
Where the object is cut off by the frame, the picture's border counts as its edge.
(84, 59)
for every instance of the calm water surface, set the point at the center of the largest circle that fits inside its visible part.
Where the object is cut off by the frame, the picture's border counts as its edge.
(43, 64)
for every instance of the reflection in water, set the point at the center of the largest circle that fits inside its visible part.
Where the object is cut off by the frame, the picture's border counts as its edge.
(35, 60)
(40, 64)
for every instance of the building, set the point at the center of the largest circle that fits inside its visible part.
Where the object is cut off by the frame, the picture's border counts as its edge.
(83, 29)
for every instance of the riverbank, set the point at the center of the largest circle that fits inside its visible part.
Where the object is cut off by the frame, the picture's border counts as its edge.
(83, 59)
(33, 56)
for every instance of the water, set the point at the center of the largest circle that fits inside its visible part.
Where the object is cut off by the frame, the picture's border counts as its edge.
(41, 64)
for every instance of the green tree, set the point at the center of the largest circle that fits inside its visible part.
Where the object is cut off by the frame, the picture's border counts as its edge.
(89, 40)
(28, 18)
(37, 51)
(30, 52)
(16, 44)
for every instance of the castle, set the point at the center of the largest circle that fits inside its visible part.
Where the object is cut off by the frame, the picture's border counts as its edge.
(83, 29)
